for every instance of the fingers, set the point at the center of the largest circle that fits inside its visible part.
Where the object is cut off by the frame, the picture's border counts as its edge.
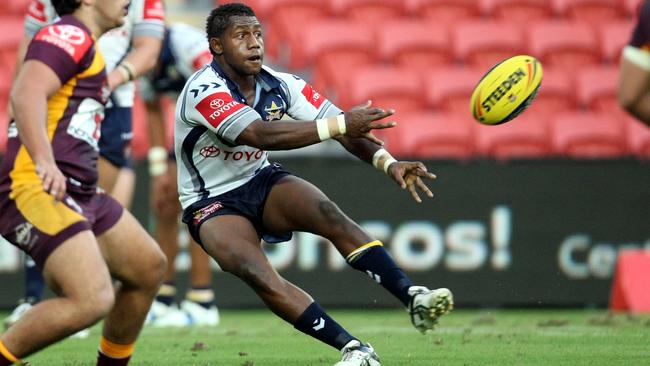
(373, 138)
(381, 126)
(414, 193)
(423, 187)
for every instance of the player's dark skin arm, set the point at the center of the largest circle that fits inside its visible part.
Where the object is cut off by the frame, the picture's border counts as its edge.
(634, 90)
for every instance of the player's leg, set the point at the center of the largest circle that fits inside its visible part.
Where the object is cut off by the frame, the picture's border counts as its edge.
(296, 205)
(76, 272)
(199, 300)
(136, 261)
(235, 244)
(124, 186)
(34, 285)
(115, 176)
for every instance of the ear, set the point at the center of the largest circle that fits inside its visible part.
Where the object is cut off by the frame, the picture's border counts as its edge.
(215, 45)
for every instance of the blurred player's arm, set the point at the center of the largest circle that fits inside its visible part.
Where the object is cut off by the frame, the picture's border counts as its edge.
(35, 84)
(634, 83)
(139, 61)
(157, 155)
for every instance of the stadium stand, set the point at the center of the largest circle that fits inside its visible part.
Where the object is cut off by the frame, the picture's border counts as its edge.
(445, 11)
(638, 138)
(449, 88)
(526, 139)
(557, 92)
(590, 11)
(612, 37)
(597, 89)
(436, 135)
(414, 43)
(550, 42)
(368, 11)
(520, 11)
(497, 41)
(588, 135)
(387, 87)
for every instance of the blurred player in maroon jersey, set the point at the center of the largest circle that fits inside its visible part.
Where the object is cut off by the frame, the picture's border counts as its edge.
(50, 204)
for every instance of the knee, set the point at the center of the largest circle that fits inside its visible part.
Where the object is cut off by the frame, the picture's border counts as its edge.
(253, 273)
(331, 212)
(97, 305)
(154, 268)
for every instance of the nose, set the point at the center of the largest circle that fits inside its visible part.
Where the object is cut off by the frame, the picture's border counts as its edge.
(254, 42)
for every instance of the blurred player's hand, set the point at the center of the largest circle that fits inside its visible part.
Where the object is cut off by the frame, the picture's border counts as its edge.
(164, 198)
(359, 120)
(409, 174)
(53, 180)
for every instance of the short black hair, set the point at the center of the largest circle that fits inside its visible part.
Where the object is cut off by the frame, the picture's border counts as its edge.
(219, 18)
(65, 7)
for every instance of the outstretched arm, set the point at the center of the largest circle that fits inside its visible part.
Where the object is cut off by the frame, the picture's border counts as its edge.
(634, 83)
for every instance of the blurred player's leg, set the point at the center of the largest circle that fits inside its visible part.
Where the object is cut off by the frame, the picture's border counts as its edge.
(136, 261)
(314, 212)
(34, 285)
(77, 273)
(199, 300)
(124, 187)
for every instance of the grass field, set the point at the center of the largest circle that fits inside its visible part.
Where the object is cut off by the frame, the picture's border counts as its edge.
(464, 338)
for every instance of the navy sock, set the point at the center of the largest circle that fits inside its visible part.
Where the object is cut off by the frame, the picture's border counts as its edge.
(202, 295)
(377, 263)
(34, 282)
(316, 323)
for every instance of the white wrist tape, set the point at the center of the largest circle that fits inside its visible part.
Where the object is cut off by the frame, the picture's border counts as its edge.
(382, 159)
(637, 56)
(331, 127)
(157, 157)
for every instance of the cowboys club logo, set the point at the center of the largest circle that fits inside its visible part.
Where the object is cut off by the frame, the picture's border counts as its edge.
(217, 103)
(68, 33)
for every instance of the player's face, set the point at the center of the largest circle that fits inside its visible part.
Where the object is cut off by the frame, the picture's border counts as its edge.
(243, 45)
(112, 13)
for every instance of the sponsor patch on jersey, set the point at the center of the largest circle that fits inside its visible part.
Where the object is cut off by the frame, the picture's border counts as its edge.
(154, 10)
(69, 38)
(217, 107)
(36, 10)
(313, 97)
(206, 211)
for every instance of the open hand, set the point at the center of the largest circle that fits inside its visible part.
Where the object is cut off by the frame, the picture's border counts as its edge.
(359, 121)
(409, 176)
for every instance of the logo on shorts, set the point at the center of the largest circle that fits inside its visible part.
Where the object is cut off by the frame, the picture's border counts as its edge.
(73, 205)
(24, 236)
(206, 211)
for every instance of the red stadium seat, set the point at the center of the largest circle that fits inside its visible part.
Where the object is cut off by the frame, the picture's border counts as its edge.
(449, 89)
(613, 37)
(445, 11)
(368, 11)
(563, 44)
(588, 135)
(387, 87)
(525, 137)
(418, 44)
(590, 11)
(282, 22)
(520, 11)
(557, 92)
(483, 44)
(437, 135)
(638, 137)
(597, 89)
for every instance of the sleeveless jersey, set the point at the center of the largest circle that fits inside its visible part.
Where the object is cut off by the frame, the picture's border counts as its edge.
(145, 18)
(74, 112)
(211, 112)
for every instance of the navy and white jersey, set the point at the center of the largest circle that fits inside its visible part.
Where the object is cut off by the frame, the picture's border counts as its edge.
(211, 112)
(185, 50)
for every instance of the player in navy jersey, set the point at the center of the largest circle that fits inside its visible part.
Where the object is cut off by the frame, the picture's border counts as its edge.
(228, 115)
(634, 85)
(184, 51)
(50, 206)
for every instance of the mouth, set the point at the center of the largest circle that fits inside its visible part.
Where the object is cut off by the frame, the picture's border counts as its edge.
(255, 59)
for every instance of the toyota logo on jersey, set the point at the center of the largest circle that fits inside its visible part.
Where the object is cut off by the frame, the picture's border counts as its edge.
(217, 107)
(71, 39)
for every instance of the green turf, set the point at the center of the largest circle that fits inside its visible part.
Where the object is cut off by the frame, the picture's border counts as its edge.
(464, 338)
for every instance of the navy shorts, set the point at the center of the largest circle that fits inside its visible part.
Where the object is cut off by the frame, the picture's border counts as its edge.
(116, 135)
(247, 201)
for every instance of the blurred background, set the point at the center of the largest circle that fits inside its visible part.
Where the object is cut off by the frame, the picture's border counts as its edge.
(530, 213)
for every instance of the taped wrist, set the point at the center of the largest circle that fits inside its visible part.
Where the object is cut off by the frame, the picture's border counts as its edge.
(382, 159)
(157, 157)
(331, 127)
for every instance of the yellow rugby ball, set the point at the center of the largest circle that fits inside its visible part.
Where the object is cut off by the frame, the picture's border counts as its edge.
(506, 90)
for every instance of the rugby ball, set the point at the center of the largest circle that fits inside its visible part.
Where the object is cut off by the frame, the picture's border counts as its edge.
(506, 90)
